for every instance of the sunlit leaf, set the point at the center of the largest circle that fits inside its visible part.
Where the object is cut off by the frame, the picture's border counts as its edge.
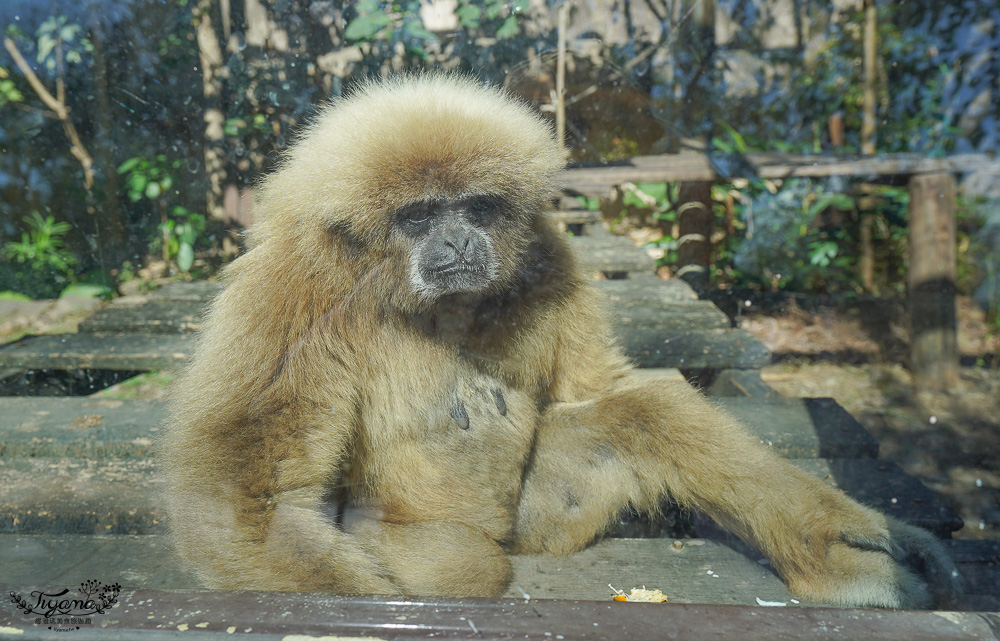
(508, 29)
(468, 15)
(185, 257)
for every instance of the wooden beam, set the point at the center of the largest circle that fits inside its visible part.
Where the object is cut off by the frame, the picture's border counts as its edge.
(597, 181)
(934, 350)
(694, 247)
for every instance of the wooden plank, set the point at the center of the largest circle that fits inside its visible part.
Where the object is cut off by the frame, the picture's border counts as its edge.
(687, 571)
(741, 382)
(575, 216)
(203, 290)
(646, 343)
(645, 287)
(133, 561)
(654, 302)
(122, 496)
(803, 427)
(103, 428)
(159, 614)
(715, 348)
(80, 496)
(146, 315)
(597, 181)
(79, 427)
(610, 254)
(680, 568)
(97, 351)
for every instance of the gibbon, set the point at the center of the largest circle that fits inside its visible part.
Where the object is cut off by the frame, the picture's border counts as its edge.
(407, 334)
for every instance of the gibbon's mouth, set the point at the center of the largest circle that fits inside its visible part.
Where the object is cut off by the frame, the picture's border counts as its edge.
(459, 276)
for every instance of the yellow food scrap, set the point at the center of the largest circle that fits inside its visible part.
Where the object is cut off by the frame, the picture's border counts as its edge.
(638, 595)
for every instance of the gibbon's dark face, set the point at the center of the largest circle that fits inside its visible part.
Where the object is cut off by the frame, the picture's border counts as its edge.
(451, 240)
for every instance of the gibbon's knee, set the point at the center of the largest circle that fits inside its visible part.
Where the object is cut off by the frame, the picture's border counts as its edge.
(437, 558)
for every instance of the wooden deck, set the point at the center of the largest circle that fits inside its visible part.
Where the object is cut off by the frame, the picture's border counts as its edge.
(80, 500)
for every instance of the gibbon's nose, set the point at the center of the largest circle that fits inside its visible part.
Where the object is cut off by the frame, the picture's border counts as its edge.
(459, 241)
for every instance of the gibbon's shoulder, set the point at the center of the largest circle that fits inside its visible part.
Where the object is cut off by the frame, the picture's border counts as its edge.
(413, 136)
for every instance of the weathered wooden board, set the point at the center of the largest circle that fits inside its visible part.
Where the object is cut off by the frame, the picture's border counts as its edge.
(803, 427)
(687, 571)
(610, 254)
(199, 290)
(162, 614)
(681, 570)
(648, 302)
(575, 216)
(122, 496)
(79, 496)
(647, 345)
(133, 561)
(645, 287)
(102, 428)
(746, 383)
(650, 346)
(146, 315)
(83, 427)
(97, 351)
(639, 285)
(695, 167)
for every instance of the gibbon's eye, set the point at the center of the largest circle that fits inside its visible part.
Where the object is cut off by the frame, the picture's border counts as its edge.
(415, 215)
(484, 209)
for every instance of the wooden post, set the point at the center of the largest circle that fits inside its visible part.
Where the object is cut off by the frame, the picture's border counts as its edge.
(694, 214)
(694, 245)
(934, 352)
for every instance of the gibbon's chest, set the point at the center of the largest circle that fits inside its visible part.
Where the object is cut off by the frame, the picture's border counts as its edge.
(439, 435)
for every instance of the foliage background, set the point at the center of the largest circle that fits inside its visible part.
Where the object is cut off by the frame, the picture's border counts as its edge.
(181, 108)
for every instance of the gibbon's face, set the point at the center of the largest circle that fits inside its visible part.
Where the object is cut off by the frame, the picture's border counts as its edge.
(437, 180)
(451, 243)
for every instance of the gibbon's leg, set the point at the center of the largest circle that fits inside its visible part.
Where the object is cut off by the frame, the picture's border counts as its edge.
(436, 557)
(298, 547)
(644, 441)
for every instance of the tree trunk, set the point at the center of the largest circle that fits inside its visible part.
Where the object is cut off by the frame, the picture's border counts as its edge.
(114, 235)
(212, 74)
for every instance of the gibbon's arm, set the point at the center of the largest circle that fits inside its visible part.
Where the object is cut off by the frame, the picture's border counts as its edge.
(638, 442)
(262, 421)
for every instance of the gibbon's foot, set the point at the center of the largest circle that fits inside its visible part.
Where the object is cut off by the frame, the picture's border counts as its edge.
(883, 563)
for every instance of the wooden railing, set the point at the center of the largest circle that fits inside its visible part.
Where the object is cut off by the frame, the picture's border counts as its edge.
(931, 281)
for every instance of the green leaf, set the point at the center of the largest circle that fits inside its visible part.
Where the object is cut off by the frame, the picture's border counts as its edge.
(365, 27)
(128, 165)
(508, 29)
(46, 43)
(85, 289)
(185, 257)
(153, 190)
(468, 15)
(416, 29)
(494, 9)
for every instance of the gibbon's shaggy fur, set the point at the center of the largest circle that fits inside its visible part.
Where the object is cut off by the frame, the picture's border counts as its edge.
(408, 335)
